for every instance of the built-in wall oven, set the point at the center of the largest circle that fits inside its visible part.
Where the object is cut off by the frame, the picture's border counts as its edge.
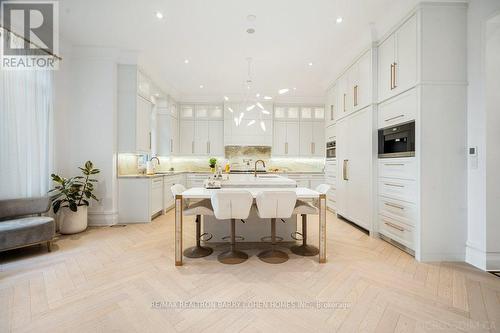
(331, 149)
(397, 141)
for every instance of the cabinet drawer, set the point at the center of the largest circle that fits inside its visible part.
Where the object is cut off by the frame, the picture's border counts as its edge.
(400, 189)
(402, 168)
(397, 231)
(397, 110)
(404, 211)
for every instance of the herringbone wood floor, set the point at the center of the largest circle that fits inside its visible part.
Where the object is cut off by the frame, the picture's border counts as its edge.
(106, 279)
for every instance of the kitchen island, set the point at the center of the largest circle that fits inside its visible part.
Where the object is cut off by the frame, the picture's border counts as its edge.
(255, 228)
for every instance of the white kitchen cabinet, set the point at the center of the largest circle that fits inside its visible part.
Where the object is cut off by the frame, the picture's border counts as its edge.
(139, 199)
(343, 96)
(331, 106)
(201, 137)
(363, 88)
(134, 112)
(186, 137)
(216, 137)
(330, 133)
(166, 133)
(397, 61)
(187, 111)
(168, 182)
(354, 156)
(286, 138)
(312, 139)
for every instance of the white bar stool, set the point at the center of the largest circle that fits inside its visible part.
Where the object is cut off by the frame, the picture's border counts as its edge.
(232, 205)
(275, 205)
(306, 208)
(199, 208)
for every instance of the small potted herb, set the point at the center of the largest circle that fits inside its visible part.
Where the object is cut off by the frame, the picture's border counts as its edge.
(212, 162)
(71, 198)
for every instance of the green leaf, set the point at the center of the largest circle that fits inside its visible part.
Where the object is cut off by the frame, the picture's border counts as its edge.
(57, 205)
(95, 171)
(73, 206)
(88, 165)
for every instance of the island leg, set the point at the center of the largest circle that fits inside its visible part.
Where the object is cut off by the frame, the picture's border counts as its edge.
(178, 230)
(322, 228)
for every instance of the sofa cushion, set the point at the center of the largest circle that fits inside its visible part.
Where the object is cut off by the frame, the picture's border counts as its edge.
(25, 231)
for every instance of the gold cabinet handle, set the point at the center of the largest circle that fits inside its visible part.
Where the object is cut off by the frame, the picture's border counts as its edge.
(355, 95)
(392, 225)
(396, 117)
(286, 147)
(394, 185)
(394, 69)
(192, 147)
(345, 95)
(171, 145)
(393, 164)
(394, 205)
(392, 85)
(149, 140)
(344, 170)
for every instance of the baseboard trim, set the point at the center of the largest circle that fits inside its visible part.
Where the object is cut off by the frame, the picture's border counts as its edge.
(434, 257)
(102, 219)
(475, 256)
(493, 261)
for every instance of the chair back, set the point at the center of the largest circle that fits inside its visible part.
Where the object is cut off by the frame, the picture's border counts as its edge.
(323, 188)
(22, 207)
(276, 204)
(231, 204)
(177, 189)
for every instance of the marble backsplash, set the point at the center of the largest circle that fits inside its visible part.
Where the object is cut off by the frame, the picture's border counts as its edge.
(237, 156)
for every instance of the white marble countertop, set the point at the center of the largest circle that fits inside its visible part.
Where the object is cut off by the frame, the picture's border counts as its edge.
(208, 173)
(262, 180)
(203, 193)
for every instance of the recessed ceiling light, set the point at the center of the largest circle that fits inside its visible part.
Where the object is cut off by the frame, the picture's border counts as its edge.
(186, 61)
(159, 15)
(257, 95)
(294, 88)
(310, 64)
(157, 95)
(268, 98)
(201, 86)
(226, 98)
(339, 19)
(283, 91)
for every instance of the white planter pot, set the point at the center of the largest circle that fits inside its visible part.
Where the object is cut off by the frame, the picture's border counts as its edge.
(73, 222)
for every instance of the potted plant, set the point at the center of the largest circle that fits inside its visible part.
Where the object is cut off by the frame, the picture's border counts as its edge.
(212, 162)
(71, 198)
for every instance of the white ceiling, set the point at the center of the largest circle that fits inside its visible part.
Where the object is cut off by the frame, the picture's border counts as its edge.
(211, 34)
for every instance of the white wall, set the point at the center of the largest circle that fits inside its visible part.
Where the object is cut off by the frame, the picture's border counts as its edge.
(492, 72)
(85, 122)
(478, 14)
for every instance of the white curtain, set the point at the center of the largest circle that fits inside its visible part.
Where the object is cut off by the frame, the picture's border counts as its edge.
(26, 111)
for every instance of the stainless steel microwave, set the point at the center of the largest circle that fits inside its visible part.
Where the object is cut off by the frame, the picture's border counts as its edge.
(397, 141)
(331, 149)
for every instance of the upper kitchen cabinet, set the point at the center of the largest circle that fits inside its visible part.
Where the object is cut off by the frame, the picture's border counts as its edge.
(316, 113)
(286, 138)
(167, 133)
(397, 61)
(248, 124)
(201, 137)
(344, 96)
(135, 108)
(187, 111)
(331, 106)
(291, 113)
(312, 139)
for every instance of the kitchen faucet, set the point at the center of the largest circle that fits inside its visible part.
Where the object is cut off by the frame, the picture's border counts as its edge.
(255, 167)
(155, 158)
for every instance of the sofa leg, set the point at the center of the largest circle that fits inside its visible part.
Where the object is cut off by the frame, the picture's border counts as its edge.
(49, 246)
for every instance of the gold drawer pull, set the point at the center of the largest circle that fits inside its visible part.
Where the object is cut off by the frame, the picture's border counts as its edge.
(393, 118)
(394, 205)
(394, 185)
(392, 225)
(394, 164)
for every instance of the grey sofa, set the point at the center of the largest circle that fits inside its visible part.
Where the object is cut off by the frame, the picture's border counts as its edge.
(22, 223)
